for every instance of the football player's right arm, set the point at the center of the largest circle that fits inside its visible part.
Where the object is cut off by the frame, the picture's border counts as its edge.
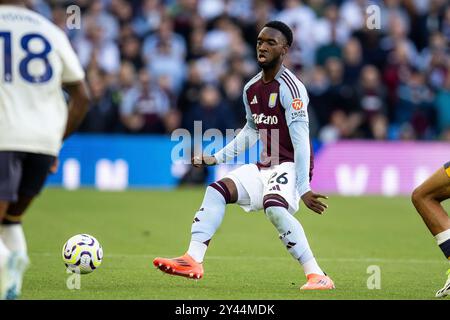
(244, 140)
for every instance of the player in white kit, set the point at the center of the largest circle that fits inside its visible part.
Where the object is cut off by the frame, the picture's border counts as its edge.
(36, 62)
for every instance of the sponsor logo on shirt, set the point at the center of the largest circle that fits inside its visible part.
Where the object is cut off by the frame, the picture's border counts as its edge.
(297, 104)
(298, 114)
(263, 119)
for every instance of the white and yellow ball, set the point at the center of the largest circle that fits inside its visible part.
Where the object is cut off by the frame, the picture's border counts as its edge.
(82, 254)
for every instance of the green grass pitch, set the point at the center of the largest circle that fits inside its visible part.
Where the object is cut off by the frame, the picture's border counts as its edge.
(246, 260)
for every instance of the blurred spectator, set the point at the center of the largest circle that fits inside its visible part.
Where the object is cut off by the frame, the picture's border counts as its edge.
(126, 79)
(344, 114)
(164, 52)
(446, 23)
(331, 28)
(415, 104)
(370, 43)
(353, 61)
(397, 70)
(318, 6)
(211, 110)
(263, 11)
(442, 104)
(210, 9)
(342, 96)
(122, 10)
(241, 10)
(353, 12)
(130, 50)
(196, 50)
(144, 106)
(336, 129)
(393, 10)
(96, 51)
(219, 37)
(185, 17)
(190, 93)
(319, 99)
(371, 96)
(166, 35)
(212, 66)
(232, 89)
(103, 115)
(148, 18)
(97, 13)
(301, 19)
(437, 63)
(397, 33)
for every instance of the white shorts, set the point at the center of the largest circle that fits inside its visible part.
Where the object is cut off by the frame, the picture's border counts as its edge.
(279, 179)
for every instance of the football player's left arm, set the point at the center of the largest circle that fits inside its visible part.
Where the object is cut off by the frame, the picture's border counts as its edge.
(298, 125)
(299, 132)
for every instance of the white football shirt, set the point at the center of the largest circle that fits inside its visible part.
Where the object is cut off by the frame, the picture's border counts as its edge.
(36, 58)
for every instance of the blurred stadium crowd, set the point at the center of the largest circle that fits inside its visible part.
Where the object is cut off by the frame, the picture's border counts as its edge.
(156, 65)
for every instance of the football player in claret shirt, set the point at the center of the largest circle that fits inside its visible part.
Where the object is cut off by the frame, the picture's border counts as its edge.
(276, 105)
(428, 198)
(36, 60)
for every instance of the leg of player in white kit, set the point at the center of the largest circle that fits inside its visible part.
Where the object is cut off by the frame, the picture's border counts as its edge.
(4, 258)
(13, 237)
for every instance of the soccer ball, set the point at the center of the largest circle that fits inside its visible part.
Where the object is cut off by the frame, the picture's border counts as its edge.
(82, 254)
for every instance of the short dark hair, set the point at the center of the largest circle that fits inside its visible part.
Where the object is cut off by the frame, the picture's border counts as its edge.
(283, 28)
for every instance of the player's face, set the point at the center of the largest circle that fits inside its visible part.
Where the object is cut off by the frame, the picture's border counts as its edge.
(271, 47)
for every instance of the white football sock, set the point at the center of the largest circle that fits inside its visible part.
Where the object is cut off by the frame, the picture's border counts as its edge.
(206, 222)
(442, 237)
(294, 238)
(312, 266)
(4, 252)
(197, 250)
(14, 238)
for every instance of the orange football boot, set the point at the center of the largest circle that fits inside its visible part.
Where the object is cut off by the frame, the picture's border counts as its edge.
(318, 282)
(184, 266)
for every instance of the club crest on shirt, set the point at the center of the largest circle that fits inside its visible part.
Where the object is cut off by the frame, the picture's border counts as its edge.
(273, 100)
(297, 104)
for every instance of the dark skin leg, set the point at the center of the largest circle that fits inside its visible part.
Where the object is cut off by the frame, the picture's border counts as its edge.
(210, 161)
(16, 209)
(3, 208)
(232, 188)
(427, 199)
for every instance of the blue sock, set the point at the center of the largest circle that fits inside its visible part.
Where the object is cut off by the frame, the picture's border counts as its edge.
(443, 240)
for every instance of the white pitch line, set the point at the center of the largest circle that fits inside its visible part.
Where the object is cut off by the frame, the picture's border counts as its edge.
(365, 260)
